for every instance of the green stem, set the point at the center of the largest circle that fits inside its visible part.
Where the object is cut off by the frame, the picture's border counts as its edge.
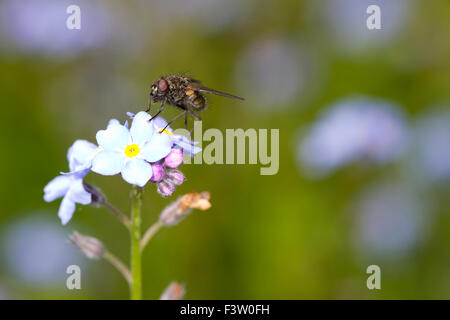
(136, 263)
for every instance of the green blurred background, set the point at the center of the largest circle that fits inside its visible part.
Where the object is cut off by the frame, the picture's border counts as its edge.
(293, 235)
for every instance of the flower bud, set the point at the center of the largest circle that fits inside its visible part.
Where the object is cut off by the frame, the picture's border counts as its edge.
(175, 176)
(174, 159)
(158, 172)
(98, 199)
(172, 214)
(174, 291)
(195, 200)
(165, 188)
(90, 246)
(177, 210)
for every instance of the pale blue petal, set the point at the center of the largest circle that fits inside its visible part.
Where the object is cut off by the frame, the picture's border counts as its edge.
(78, 194)
(114, 137)
(108, 163)
(79, 173)
(75, 166)
(157, 148)
(180, 138)
(80, 155)
(56, 188)
(160, 123)
(113, 122)
(187, 145)
(141, 128)
(137, 172)
(66, 210)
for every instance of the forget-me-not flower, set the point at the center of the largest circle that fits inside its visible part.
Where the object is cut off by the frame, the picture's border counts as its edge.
(70, 186)
(129, 151)
(181, 141)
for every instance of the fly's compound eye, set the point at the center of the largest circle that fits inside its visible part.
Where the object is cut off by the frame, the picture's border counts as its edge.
(162, 85)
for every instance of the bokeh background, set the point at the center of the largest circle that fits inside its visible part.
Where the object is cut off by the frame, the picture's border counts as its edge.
(364, 119)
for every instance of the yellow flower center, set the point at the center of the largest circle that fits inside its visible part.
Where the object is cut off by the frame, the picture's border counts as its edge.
(132, 150)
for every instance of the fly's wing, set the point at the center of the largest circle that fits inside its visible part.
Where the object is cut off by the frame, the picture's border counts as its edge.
(202, 89)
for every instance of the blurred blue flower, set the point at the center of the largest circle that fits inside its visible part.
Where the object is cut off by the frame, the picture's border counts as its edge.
(70, 186)
(276, 63)
(129, 151)
(40, 26)
(213, 15)
(392, 219)
(354, 129)
(432, 139)
(346, 22)
(35, 251)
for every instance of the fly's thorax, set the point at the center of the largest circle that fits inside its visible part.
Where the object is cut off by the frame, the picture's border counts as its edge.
(177, 82)
(176, 91)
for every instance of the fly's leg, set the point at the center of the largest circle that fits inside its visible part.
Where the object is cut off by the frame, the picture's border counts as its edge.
(195, 116)
(185, 112)
(168, 123)
(159, 111)
(149, 103)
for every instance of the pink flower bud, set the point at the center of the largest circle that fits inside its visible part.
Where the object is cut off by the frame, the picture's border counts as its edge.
(174, 159)
(158, 172)
(175, 177)
(165, 188)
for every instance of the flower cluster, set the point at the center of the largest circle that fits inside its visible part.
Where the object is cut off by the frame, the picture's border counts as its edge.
(147, 151)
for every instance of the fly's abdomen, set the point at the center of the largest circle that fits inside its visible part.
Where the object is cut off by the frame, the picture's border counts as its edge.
(196, 101)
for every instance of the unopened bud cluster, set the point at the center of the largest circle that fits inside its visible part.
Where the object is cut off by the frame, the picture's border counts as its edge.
(165, 174)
